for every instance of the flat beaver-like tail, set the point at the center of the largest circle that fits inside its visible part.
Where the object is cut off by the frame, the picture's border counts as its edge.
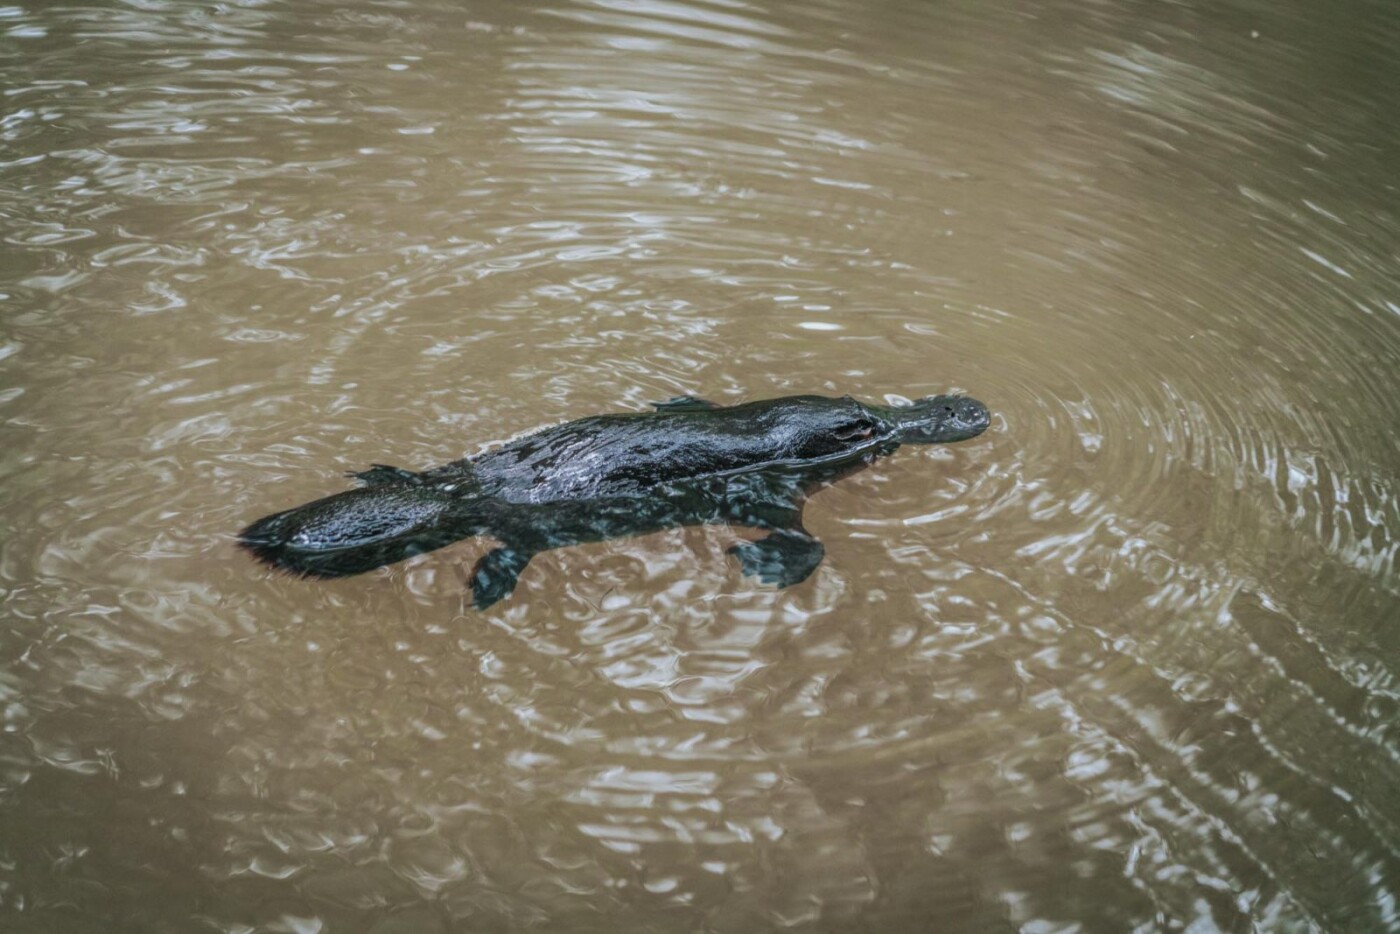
(357, 531)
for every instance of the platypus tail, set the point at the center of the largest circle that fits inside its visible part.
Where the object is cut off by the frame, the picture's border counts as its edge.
(359, 530)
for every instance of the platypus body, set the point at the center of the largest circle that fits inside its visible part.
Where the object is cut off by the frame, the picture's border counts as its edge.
(687, 463)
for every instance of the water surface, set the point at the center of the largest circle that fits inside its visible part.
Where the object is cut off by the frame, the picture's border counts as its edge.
(1128, 661)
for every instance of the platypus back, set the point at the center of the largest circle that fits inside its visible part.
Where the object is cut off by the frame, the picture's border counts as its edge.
(358, 530)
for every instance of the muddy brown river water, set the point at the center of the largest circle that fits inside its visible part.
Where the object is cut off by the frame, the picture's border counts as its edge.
(1129, 661)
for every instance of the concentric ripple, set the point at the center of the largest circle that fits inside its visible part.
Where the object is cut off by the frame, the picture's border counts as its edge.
(1126, 662)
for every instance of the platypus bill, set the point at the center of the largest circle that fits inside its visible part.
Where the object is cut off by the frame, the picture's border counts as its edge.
(689, 462)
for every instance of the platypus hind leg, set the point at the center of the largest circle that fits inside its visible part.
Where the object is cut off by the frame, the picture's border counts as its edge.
(380, 474)
(685, 404)
(496, 574)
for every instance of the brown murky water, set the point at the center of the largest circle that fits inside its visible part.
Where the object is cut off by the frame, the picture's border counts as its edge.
(1131, 660)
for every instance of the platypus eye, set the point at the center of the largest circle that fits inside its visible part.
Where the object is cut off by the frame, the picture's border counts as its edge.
(857, 430)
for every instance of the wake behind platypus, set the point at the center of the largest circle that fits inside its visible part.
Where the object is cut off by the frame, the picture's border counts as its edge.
(606, 476)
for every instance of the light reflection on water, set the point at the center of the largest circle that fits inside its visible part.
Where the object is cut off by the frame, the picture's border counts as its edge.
(1125, 661)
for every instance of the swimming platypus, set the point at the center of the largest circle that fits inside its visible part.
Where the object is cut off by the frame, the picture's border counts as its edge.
(689, 462)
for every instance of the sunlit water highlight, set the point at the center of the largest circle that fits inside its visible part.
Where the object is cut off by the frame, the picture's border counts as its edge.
(1128, 661)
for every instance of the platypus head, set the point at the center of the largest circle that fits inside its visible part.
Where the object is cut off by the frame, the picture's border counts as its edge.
(818, 428)
(938, 419)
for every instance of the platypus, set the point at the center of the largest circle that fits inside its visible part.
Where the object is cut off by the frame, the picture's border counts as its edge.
(688, 462)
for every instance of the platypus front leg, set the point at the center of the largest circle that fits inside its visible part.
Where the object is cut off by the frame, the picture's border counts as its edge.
(496, 574)
(787, 556)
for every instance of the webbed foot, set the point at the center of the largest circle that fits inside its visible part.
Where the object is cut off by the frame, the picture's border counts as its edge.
(783, 558)
(496, 575)
(380, 474)
(685, 404)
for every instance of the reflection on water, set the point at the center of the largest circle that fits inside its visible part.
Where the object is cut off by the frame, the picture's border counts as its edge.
(1128, 660)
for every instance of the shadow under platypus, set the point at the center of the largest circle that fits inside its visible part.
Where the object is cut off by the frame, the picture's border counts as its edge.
(689, 462)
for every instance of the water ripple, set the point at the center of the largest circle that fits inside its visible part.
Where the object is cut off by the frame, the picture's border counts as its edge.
(1124, 661)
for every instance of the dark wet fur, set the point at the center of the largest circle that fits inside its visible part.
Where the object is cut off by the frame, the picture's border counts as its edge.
(355, 531)
(607, 476)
